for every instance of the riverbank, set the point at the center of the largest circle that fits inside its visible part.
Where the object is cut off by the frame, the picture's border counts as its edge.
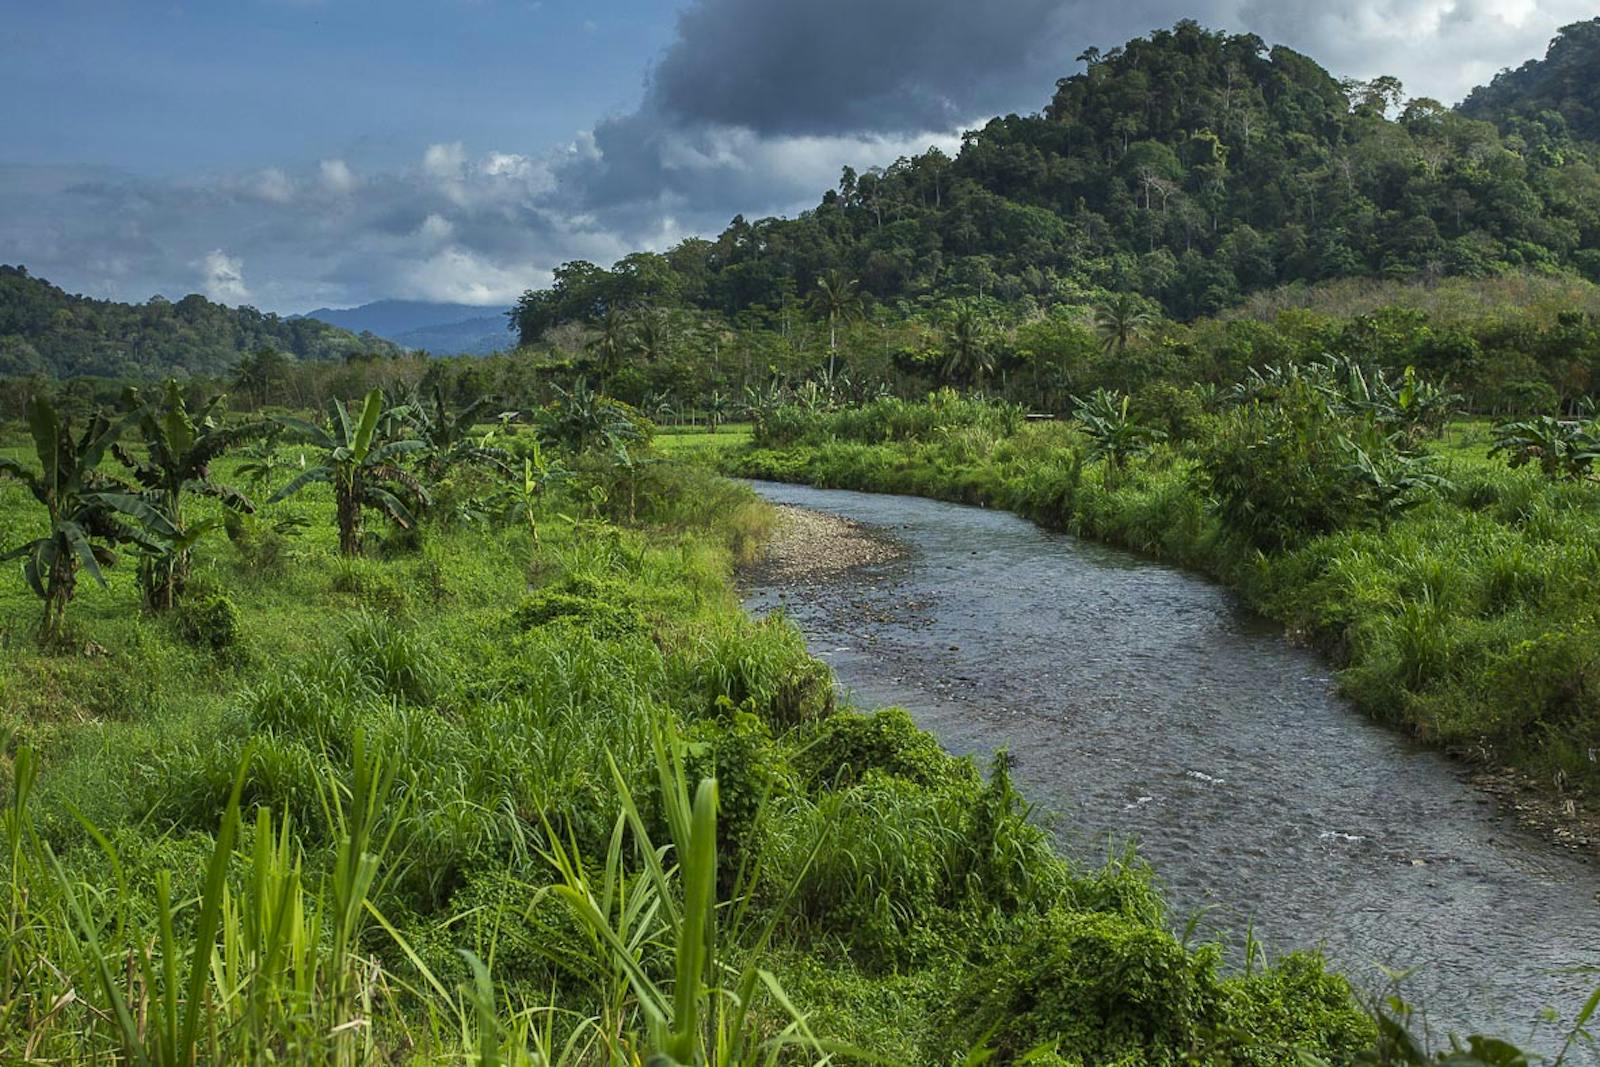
(1469, 622)
(452, 744)
(1137, 701)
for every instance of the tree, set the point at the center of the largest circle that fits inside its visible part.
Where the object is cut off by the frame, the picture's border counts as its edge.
(259, 373)
(612, 343)
(968, 357)
(651, 336)
(83, 506)
(1121, 319)
(836, 299)
(360, 467)
(582, 419)
(179, 452)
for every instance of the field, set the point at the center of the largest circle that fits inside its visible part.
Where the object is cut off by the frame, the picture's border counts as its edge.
(693, 441)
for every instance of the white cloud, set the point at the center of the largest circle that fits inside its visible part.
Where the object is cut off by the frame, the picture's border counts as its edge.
(459, 276)
(506, 165)
(435, 228)
(274, 185)
(222, 277)
(337, 176)
(444, 160)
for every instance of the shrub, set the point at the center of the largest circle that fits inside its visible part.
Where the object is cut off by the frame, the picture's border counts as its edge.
(574, 604)
(1278, 472)
(1103, 989)
(849, 745)
(210, 622)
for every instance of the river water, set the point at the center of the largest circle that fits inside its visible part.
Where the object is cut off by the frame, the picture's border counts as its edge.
(1143, 703)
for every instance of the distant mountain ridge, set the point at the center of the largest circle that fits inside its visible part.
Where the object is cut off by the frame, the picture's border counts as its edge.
(439, 328)
(46, 330)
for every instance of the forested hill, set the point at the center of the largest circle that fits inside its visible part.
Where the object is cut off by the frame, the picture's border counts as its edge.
(1191, 166)
(46, 330)
(1561, 88)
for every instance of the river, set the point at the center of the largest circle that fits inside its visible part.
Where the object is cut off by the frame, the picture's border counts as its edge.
(1143, 703)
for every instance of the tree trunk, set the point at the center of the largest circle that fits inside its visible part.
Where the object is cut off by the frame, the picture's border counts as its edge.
(347, 491)
(59, 587)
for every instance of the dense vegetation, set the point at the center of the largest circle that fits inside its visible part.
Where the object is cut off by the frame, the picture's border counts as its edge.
(426, 727)
(517, 782)
(1191, 166)
(1562, 87)
(46, 331)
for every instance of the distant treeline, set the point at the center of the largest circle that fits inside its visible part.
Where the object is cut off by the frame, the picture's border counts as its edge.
(1507, 345)
(45, 330)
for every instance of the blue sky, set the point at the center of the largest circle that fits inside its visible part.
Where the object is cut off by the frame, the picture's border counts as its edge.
(174, 88)
(298, 153)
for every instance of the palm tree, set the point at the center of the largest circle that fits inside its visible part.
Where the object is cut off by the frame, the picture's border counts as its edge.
(1121, 319)
(612, 344)
(966, 346)
(651, 335)
(836, 299)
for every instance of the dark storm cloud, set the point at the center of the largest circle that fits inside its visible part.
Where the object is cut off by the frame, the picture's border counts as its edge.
(832, 66)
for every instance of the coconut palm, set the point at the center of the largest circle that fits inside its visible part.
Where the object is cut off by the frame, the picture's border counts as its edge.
(612, 343)
(1120, 320)
(835, 298)
(968, 357)
(652, 335)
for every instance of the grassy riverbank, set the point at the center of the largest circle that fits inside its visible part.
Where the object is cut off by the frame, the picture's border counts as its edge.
(440, 804)
(1469, 619)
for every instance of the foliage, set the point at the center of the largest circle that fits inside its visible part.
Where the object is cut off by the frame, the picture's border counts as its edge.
(447, 437)
(360, 467)
(1560, 448)
(582, 419)
(1114, 435)
(85, 510)
(179, 452)
(1188, 167)
(1548, 97)
(329, 819)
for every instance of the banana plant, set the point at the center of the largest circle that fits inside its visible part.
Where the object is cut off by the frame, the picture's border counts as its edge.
(449, 438)
(85, 506)
(1114, 434)
(180, 449)
(1561, 448)
(539, 474)
(360, 467)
